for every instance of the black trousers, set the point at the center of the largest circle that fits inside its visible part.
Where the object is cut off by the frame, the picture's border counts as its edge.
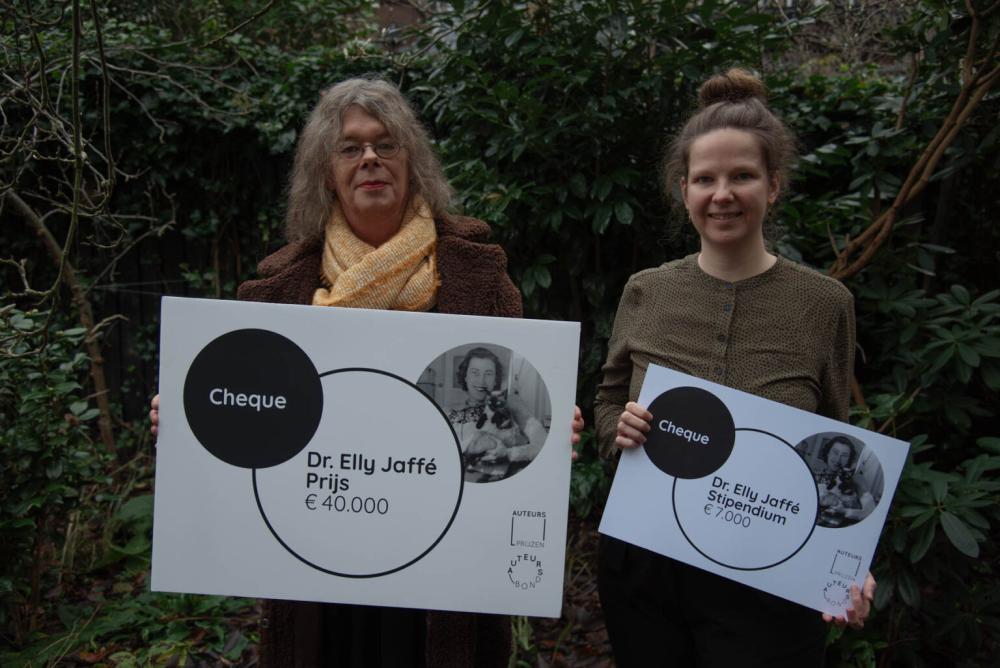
(660, 612)
(359, 636)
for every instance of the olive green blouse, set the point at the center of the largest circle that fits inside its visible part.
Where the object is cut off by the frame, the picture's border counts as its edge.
(786, 335)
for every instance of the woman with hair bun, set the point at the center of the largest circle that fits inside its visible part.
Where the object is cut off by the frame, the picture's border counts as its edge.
(735, 314)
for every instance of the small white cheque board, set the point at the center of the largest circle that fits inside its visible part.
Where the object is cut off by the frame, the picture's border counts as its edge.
(771, 496)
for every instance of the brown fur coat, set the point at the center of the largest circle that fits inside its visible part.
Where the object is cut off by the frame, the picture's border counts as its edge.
(474, 281)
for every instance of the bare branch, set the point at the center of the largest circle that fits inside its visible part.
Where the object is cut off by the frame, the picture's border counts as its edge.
(975, 84)
(67, 274)
(28, 291)
(105, 106)
(158, 231)
(242, 25)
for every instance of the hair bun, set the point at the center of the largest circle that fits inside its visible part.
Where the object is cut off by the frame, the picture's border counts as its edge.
(735, 85)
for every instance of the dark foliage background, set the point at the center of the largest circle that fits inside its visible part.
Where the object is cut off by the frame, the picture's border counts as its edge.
(151, 142)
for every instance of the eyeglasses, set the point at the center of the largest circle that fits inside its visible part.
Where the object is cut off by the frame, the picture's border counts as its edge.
(488, 376)
(353, 152)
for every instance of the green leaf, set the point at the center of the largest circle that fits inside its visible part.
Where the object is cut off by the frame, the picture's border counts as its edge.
(968, 355)
(908, 590)
(957, 416)
(543, 277)
(623, 212)
(513, 38)
(959, 535)
(923, 542)
(975, 467)
(883, 593)
(963, 371)
(236, 643)
(939, 488)
(991, 376)
(988, 347)
(926, 516)
(66, 387)
(602, 187)
(136, 509)
(912, 511)
(942, 358)
(961, 294)
(909, 331)
(938, 249)
(602, 218)
(555, 219)
(976, 519)
(989, 444)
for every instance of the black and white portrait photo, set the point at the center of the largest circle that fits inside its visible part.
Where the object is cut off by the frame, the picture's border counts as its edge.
(497, 404)
(849, 478)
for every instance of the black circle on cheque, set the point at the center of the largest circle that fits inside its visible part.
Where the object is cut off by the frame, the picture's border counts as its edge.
(253, 398)
(692, 432)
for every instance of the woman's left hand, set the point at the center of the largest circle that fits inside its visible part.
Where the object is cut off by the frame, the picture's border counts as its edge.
(861, 606)
(577, 427)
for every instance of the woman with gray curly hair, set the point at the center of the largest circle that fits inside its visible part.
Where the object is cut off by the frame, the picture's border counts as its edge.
(370, 213)
(310, 199)
(370, 225)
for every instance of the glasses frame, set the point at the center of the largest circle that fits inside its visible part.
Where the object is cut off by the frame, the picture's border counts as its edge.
(385, 149)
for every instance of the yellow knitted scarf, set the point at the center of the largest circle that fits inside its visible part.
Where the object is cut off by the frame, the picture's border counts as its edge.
(400, 275)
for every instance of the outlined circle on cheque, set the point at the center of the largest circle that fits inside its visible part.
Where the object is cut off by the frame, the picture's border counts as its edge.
(253, 398)
(756, 511)
(692, 432)
(497, 403)
(376, 489)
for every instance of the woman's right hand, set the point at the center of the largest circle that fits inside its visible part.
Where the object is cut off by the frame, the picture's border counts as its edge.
(154, 414)
(632, 426)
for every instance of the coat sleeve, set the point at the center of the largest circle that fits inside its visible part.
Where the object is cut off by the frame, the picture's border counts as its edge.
(835, 384)
(612, 393)
(508, 299)
(287, 276)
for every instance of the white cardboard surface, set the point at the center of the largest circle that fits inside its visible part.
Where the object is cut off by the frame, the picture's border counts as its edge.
(759, 514)
(398, 537)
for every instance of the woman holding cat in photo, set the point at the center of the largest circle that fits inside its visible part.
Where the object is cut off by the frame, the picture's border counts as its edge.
(499, 436)
(841, 501)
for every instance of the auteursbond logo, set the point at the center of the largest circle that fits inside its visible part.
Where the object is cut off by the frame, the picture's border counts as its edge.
(525, 571)
(836, 592)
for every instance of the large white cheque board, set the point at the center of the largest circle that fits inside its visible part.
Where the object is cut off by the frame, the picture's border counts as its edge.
(362, 456)
(777, 498)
